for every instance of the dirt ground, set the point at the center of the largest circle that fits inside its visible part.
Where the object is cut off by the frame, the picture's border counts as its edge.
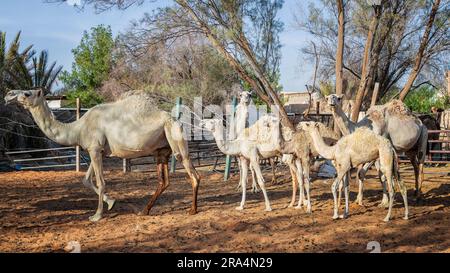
(45, 211)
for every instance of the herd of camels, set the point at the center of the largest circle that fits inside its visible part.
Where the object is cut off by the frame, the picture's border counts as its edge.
(133, 127)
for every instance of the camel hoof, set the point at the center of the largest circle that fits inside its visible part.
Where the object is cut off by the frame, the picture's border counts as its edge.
(309, 210)
(111, 203)
(335, 217)
(384, 203)
(405, 217)
(96, 217)
(290, 205)
(269, 209)
(143, 213)
(298, 207)
(239, 208)
(192, 211)
(343, 216)
(386, 219)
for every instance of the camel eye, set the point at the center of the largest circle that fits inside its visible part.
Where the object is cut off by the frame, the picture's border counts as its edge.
(27, 95)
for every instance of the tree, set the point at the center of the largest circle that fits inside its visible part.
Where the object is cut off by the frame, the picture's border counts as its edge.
(226, 24)
(22, 69)
(421, 51)
(340, 46)
(92, 65)
(373, 27)
(422, 99)
(395, 44)
(186, 68)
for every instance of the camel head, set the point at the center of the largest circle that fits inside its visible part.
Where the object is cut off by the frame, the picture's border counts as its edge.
(333, 100)
(309, 125)
(211, 125)
(245, 97)
(27, 98)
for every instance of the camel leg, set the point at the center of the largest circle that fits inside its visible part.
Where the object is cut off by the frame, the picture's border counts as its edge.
(346, 193)
(240, 171)
(334, 189)
(415, 164)
(255, 164)
(96, 161)
(254, 183)
(179, 148)
(385, 200)
(274, 174)
(87, 182)
(360, 174)
(307, 181)
(387, 167)
(243, 181)
(294, 184)
(391, 197)
(403, 191)
(421, 154)
(162, 173)
(301, 183)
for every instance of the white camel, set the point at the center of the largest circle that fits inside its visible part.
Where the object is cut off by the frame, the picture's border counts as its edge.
(257, 144)
(128, 128)
(238, 125)
(357, 148)
(394, 121)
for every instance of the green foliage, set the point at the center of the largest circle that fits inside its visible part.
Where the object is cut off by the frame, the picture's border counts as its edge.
(326, 88)
(93, 63)
(88, 98)
(22, 69)
(422, 99)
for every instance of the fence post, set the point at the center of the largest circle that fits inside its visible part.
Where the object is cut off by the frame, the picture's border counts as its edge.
(173, 161)
(228, 157)
(77, 148)
(125, 165)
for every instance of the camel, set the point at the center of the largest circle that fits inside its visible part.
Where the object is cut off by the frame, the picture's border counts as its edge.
(251, 146)
(128, 128)
(394, 121)
(301, 147)
(359, 147)
(238, 126)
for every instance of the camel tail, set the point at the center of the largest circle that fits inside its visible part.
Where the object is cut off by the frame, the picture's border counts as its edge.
(395, 165)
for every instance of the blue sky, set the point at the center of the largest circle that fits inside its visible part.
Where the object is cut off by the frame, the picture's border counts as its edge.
(58, 28)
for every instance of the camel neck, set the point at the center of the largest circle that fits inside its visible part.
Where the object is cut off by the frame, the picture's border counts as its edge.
(346, 126)
(226, 147)
(61, 133)
(321, 147)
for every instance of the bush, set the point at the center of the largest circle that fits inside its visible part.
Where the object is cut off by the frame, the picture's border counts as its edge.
(422, 99)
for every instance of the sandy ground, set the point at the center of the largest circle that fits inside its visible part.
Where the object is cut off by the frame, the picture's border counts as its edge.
(44, 211)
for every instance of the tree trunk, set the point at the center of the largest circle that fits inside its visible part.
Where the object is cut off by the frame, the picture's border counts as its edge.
(263, 87)
(423, 45)
(340, 47)
(365, 65)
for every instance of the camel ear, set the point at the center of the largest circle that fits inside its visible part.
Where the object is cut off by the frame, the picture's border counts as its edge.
(40, 93)
(340, 96)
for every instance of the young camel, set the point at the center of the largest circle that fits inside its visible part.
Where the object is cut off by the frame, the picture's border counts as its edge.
(128, 128)
(237, 128)
(394, 121)
(252, 147)
(301, 147)
(360, 147)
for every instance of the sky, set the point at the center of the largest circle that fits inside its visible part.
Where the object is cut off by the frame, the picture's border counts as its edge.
(59, 27)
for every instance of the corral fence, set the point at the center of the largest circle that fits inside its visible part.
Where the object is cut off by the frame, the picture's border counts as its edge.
(203, 153)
